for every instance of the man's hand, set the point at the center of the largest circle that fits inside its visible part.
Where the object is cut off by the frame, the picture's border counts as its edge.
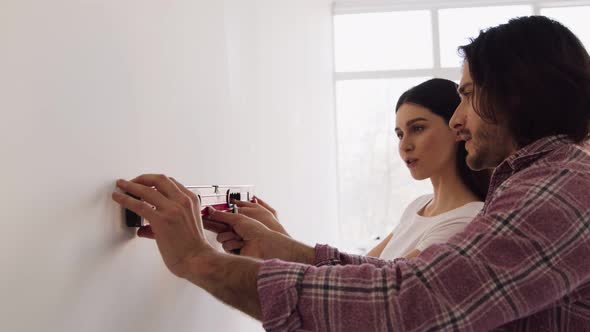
(256, 240)
(174, 224)
(261, 211)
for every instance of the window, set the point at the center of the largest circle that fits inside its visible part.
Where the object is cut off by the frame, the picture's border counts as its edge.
(374, 183)
(575, 18)
(457, 25)
(363, 42)
(381, 49)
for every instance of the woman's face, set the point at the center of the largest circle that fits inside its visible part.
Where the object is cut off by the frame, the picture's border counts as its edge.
(426, 142)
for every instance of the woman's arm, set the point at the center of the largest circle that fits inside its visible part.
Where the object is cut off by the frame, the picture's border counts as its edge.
(412, 254)
(376, 252)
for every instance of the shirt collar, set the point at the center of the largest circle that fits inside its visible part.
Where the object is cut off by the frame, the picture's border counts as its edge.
(525, 156)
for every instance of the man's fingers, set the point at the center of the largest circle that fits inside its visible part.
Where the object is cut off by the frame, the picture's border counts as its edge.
(146, 232)
(227, 236)
(161, 182)
(146, 193)
(187, 192)
(216, 226)
(139, 207)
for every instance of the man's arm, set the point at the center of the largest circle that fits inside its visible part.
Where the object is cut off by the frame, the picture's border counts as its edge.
(255, 240)
(230, 278)
(176, 226)
(509, 263)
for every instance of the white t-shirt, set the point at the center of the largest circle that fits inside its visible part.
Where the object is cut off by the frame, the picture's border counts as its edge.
(418, 232)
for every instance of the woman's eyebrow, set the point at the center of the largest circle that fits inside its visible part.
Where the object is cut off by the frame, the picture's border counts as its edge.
(410, 122)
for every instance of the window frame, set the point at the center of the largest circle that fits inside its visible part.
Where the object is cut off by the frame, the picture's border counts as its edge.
(342, 7)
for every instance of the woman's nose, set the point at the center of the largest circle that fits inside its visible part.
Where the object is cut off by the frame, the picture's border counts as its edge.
(406, 145)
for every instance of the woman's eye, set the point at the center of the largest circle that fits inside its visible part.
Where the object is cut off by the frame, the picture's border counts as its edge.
(399, 136)
(417, 129)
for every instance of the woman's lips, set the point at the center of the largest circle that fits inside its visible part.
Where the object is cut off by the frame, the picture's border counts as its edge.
(411, 163)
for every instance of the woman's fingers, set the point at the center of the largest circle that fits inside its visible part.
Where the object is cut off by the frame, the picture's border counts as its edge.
(227, 236)
(228, 218)
(243, 203)
(232, 245)
(265, 205)
(248, 212)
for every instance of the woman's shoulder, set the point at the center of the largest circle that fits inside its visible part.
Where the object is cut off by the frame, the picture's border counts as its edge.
(419, 203)
(462, 214)
(471, 208)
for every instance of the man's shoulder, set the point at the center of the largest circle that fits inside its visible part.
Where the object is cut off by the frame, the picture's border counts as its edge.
(574, 156)
(563, 174)
(569, 158)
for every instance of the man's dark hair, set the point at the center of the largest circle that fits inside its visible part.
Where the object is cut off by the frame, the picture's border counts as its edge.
(534, 73)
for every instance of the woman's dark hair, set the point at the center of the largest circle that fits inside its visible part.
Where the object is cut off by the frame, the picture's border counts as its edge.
(533, 73)
(440, 97)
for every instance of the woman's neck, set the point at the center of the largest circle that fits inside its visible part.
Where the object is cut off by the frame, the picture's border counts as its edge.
(449, 193)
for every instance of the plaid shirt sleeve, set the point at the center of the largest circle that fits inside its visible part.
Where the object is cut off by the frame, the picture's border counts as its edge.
(522, 261)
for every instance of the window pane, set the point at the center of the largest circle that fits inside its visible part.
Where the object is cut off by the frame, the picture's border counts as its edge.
(575, 18)
(457, 25)
(383, 41)
(375, 184)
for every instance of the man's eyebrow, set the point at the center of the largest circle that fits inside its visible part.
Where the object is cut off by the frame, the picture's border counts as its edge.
(410, 122)
(462, 88)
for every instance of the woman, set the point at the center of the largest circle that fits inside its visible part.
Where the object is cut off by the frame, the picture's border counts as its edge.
(432, 151)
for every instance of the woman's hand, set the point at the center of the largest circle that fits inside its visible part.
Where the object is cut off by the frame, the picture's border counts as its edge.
(261, 211)
(254, 239)
(250, 236)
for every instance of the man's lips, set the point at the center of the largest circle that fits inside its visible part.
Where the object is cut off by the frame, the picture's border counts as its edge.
(464, 136)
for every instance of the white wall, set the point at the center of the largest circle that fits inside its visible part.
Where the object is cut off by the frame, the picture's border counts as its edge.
(207, 91)
(280, 60)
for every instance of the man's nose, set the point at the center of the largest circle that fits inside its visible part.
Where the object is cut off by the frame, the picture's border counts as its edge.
(457, 120)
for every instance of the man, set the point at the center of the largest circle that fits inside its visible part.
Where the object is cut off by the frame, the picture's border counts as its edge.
(521, 265)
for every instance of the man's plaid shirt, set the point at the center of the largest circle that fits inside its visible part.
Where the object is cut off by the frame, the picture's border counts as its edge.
(523, 264)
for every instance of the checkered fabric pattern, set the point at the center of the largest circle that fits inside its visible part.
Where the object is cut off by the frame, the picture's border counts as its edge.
(523, 264)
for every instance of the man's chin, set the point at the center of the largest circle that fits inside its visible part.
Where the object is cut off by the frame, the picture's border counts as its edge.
(474, 163)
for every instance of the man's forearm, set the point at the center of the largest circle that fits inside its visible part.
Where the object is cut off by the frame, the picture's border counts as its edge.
(288, 249)
(232, 279)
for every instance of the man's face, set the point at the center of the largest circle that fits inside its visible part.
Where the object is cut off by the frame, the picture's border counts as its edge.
(487, 144)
